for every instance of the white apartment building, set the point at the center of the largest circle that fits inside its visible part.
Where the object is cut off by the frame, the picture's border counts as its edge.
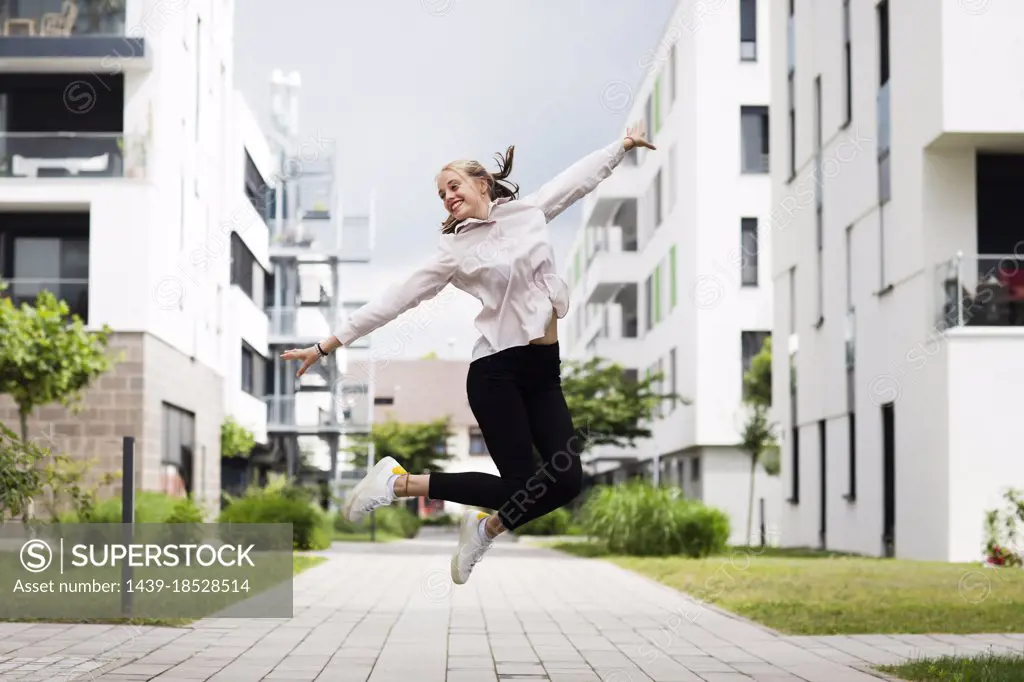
(898, 158)
(126, 167)
(659, 282)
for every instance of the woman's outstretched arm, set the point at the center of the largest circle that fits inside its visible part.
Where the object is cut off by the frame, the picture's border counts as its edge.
(425, 283)
(582, 177)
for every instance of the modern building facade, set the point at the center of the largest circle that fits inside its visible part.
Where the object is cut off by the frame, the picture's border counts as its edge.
(898, 156)
(660, 283)
(316, 245)
(124, 158)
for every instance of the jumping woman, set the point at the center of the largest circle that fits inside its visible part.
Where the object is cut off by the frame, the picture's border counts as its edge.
(495, 247)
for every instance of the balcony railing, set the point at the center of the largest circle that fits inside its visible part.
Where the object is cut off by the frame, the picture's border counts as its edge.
(71, 154)
(74, 292)
(981, 291)
(61, 18)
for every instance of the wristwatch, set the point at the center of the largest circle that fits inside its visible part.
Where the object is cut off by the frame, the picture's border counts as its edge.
(320, 351)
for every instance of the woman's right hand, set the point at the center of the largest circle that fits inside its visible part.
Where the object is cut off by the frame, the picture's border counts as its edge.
(635, 137)
(308, 357)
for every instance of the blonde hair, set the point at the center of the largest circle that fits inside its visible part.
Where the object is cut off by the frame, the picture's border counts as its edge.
(497, 184)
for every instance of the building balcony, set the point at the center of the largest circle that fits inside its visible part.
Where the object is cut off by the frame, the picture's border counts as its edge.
(318, 237)
(68, 35)
(991, 291)
(74, 292)
(609, 273)
(72, 155)
(620, 350)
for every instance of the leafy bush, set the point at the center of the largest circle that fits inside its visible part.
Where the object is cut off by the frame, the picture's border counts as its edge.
(150, 507)
(397, 520)
(557, 522)
(439, 520)
(310, 526)
(641, 520)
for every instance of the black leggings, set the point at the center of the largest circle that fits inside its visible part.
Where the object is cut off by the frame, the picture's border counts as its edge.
(516, 397)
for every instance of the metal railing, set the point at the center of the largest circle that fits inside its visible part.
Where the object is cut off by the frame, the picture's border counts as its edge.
(61, 18)
(984, 290)
(71, 154)
(74, 292)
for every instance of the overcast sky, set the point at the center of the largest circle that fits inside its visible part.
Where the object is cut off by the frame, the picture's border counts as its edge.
(405, 86)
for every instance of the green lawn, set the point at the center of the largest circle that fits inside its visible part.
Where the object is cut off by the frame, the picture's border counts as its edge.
(806, 592)
(986, 668)
(362, 537)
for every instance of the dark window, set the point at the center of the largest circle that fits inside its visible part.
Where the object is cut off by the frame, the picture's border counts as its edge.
(477, 446)
(178, 447)
(46, 252)
(791, 86)
(383, 400)
(748, 251)
(847, 65)
(754, 138)
(246, 271)
(883, 42)
(648, 302)
(256, 189)
(852, 493)
(695, 469)
(751, 343)
(253, 368)
(748, 30)
(657, 200)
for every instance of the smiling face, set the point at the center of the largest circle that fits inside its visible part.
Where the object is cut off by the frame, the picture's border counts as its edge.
(463, 196)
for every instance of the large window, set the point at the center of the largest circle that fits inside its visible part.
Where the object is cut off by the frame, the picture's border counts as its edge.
(46, 252)
(748, 30)
(179, 432)
(754, 137)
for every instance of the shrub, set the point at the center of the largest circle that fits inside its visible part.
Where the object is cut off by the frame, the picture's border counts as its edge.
(641, 520)
(150, 507)
(439, 520)
(310, 526)
(397, 520)
(557, 522)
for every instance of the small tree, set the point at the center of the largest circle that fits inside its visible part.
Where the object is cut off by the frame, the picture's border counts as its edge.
(46, 359)
(613, 408)
(758, 431)
(418, 446)
(21, 477)
(235, 439)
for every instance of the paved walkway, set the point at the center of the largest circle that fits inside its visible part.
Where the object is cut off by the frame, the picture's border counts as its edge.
(390, 612)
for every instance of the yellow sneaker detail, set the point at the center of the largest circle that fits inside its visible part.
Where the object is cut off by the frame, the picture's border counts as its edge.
(398, 470)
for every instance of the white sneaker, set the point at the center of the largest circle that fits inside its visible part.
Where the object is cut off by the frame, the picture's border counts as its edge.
(471, 547)
(372, 491)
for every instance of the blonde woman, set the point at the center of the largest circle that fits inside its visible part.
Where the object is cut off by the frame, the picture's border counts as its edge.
(494, 246)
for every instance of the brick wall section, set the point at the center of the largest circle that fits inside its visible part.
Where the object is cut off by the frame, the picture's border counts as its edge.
(126, 401)
(171, 376)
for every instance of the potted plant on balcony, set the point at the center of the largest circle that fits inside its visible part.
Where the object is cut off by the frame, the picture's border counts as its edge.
(106, 17)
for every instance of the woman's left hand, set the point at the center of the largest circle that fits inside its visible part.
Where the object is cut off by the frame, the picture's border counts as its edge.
(635, 137)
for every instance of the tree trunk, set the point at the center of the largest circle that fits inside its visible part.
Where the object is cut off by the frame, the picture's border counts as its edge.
(29, 511)
(750, 503)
